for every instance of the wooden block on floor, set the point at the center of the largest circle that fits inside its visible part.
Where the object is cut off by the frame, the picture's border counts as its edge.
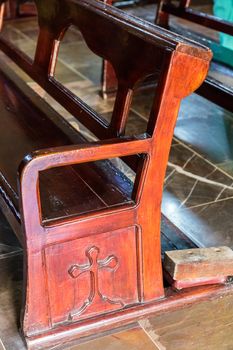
(195, 282)
(199, 263)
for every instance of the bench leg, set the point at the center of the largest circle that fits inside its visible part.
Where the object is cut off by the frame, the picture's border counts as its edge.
(184, 3)
(12, 9)
(162, 18)
(108, 79)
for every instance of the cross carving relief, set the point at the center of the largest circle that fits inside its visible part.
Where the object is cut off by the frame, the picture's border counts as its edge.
(92, 268)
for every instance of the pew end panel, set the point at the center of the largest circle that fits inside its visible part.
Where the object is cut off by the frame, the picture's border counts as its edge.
(100, 250)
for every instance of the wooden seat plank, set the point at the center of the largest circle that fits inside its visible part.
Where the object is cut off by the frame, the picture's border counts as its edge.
(61, 198)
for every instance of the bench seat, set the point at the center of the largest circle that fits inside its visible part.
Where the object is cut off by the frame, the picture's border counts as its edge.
(90, 186)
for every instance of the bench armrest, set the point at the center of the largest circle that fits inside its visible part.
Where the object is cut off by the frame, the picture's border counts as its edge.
(64, 156)
(89, 152)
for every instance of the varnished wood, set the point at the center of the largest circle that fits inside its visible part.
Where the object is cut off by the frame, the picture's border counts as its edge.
(83, 225)
(189, 264)
(195, 282)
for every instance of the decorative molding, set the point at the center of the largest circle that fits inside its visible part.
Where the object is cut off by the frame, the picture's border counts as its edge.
(111, 263)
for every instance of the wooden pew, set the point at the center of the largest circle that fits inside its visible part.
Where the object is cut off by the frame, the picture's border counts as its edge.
(91, 238)
(211, 89)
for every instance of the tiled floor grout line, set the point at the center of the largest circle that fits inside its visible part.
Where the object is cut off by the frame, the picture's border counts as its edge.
(2, 345)
(157, 343)
(11, 254)
(180, 170)
(20, 33)
(139, 114)
(169, 175)
(211, 173)
(205, 159)
(219, 195)
(74, 70)
(188, 160)
(207, 203)
(189, 195)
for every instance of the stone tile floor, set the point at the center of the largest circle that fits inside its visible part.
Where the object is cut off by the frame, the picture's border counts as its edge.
(198, 198)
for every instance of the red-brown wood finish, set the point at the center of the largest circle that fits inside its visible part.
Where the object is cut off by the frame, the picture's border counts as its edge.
(211, 89)
(108, 79)
(99, 260)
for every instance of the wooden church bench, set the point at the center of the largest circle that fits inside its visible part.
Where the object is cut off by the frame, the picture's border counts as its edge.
(212, 89)
(91, 239)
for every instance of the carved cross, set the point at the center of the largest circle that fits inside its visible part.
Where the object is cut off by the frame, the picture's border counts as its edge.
(93, 268)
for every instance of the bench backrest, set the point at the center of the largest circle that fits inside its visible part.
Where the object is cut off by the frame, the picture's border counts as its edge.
(183, 10)
(138, 50)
